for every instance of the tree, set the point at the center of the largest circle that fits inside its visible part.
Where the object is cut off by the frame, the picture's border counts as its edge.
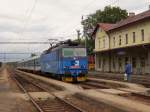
(108, 15)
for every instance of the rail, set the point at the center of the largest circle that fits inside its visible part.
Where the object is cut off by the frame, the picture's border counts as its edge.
(38, 106)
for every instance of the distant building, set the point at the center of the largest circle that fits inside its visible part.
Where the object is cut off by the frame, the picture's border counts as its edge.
(125, 41)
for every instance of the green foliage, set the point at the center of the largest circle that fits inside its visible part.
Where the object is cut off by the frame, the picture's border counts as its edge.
(108, 15)
(89, 44)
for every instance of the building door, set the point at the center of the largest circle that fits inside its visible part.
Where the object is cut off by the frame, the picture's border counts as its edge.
(119, 64)
(113, 64)
(134, 63)
(142, 65)
(103, 66)
(99, 63)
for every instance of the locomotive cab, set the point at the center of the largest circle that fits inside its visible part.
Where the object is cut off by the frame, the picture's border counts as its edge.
(74, 64)
(67, 61)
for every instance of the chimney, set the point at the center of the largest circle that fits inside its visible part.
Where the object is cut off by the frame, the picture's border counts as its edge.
(131, 14)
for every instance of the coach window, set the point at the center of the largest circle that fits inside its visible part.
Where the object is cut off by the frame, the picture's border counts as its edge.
(142, 34)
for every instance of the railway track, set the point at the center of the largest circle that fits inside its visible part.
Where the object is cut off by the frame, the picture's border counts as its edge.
(55, 104)
(92, 84)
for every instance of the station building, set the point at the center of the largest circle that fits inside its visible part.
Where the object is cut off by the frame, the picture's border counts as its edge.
(125, 41)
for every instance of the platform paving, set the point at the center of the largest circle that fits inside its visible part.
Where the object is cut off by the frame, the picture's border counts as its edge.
(11, 98)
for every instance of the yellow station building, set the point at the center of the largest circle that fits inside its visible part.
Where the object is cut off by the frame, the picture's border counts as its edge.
(125, 41)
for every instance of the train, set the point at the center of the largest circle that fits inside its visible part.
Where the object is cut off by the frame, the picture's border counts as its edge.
(66, 61)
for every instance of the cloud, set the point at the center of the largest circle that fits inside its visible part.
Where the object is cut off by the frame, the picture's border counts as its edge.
(50, 19)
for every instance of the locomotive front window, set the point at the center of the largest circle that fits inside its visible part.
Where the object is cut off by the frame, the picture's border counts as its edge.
(68, 52)
(71, 52)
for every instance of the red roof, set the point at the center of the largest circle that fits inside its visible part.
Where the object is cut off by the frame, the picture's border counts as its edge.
(109, 27)
(104, 26)
(133, 19)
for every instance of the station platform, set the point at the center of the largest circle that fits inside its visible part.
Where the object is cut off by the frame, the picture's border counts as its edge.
(11, 98)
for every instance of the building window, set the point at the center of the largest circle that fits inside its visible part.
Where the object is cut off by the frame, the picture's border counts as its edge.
(142, 34)
(126, 38)
(133, 37)
(119, 40)
(99, 44)
(104, 43)
(114, 41)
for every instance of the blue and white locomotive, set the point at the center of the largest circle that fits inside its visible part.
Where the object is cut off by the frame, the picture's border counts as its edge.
(66, 61)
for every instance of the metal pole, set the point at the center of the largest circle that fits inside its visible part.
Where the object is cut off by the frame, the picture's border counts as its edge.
(78, 34)
(85, 41)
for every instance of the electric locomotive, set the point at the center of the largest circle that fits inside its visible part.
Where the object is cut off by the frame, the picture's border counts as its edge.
(66, 61)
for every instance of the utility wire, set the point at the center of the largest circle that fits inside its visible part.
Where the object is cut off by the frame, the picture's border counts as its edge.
(82, 10)
(87, 6)
(140, 6)
(28, 17)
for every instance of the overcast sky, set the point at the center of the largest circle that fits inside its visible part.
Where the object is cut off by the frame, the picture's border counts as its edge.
(28, 20)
